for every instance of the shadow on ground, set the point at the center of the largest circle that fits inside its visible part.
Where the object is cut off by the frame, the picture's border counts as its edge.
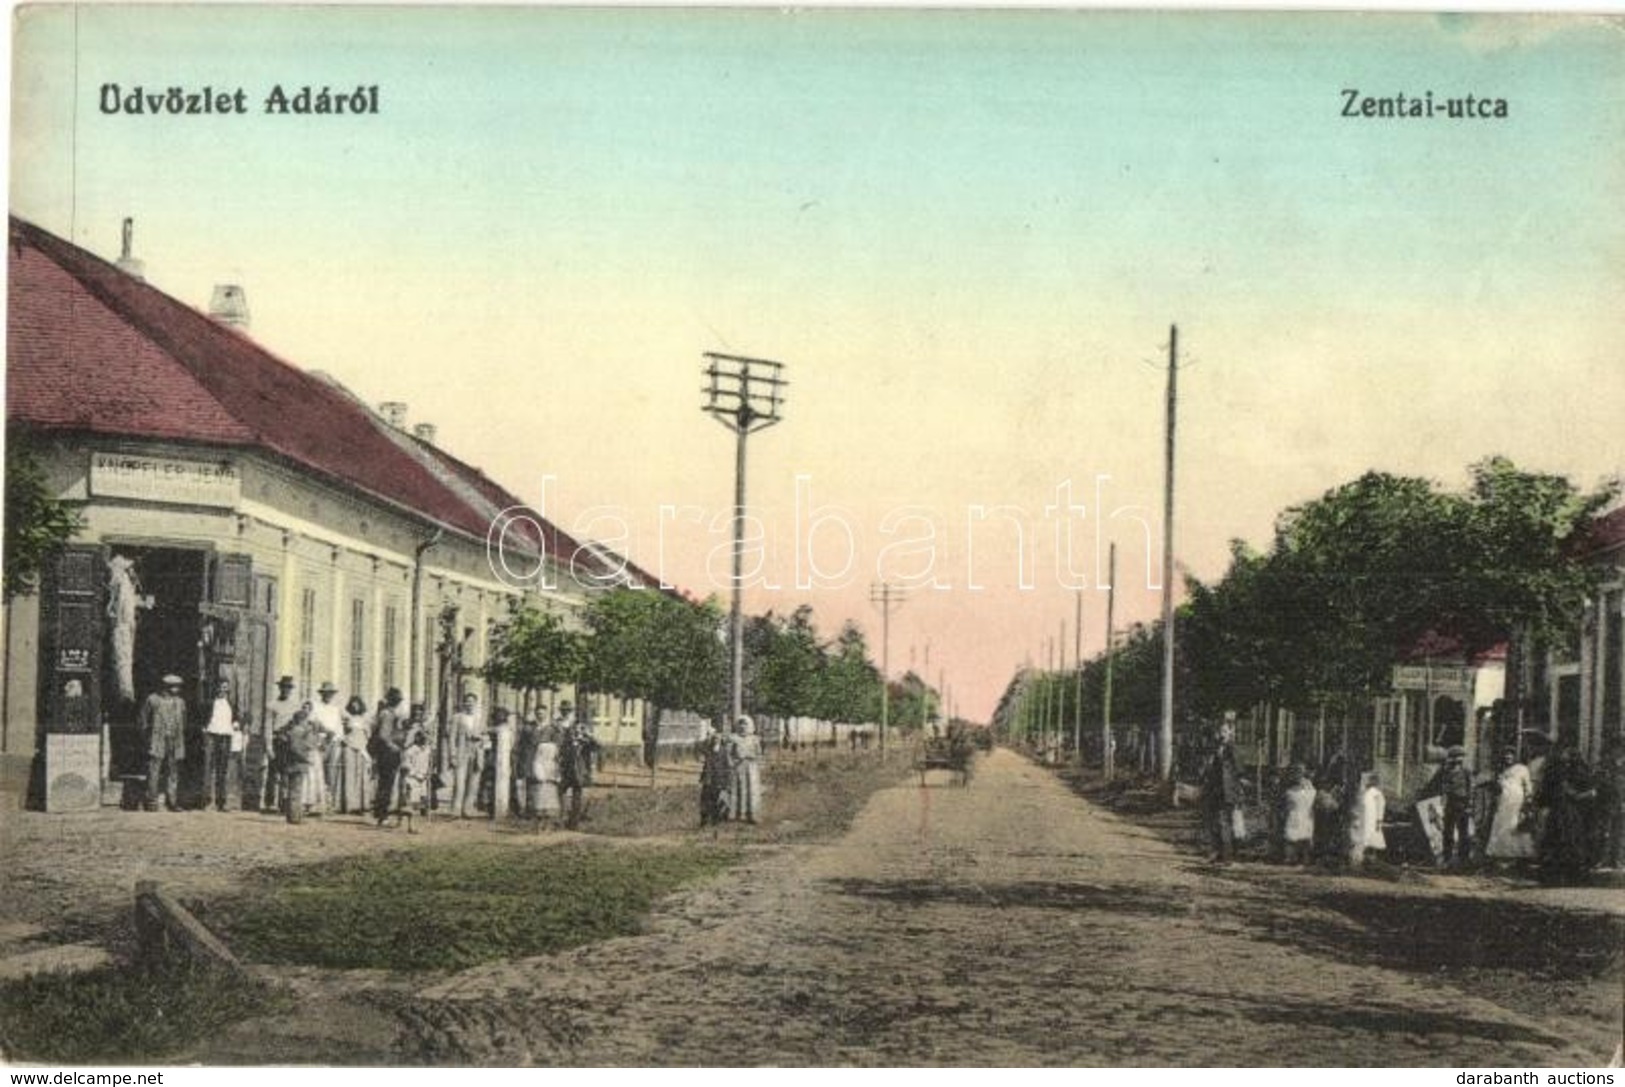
(1028, 894)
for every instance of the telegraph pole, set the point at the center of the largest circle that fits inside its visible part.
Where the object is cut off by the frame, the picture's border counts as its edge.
(745, 395)
(1106, 758)
(889, 597)
(1077, 693)
(1165, 749)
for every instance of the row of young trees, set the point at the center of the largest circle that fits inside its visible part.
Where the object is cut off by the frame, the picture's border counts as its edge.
(1352, 583)
(671, 652)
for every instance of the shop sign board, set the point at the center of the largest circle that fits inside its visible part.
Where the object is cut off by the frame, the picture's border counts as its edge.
(1440, 679)
(73, 771)
(164, 479)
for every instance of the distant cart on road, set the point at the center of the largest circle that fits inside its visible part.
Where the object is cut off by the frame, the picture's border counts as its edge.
(944, 753)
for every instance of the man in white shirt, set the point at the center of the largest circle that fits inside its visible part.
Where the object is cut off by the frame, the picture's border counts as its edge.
(217, 739)
(329, 717)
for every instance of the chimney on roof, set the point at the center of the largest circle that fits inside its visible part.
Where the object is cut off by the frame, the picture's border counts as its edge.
(425, 432)
(126, 262)
(229, 305)
(394, 413)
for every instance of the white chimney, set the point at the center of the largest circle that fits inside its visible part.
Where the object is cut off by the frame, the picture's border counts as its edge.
(127, 263)
(424, 432)
(229, 305)
(394, 413)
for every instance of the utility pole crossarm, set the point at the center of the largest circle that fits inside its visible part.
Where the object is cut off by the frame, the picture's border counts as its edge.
(745, 395)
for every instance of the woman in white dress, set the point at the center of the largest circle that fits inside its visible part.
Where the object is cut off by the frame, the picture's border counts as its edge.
(1365, 830)
(351, 784)
(544, 775)
(1511, 835)
(747, 759)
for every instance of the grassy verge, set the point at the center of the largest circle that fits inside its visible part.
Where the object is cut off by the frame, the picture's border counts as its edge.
(119, 1014)
(809, 797)
(453, 907)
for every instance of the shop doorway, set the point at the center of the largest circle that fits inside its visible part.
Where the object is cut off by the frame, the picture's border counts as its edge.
(168, 584)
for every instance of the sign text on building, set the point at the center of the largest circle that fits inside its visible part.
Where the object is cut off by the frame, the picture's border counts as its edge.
(1416, 677)
(164, 479)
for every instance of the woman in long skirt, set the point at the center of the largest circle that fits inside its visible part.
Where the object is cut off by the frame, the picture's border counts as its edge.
(1512, 835)
(543, 785)
(350, 791)
(747, 758)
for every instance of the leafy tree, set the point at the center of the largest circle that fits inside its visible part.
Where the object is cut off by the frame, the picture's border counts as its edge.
(790, 674)
(37, 522)
(851, 689)
(657, 647)
(535, 651)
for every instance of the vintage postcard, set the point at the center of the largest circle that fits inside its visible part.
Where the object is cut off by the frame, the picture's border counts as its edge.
(1154, 597)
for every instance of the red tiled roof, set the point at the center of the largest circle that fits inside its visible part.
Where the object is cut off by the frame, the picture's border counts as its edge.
(1434, 645)
(92, 349)
(1605, 534)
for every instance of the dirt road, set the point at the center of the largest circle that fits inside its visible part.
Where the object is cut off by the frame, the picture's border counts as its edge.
(1008, 924)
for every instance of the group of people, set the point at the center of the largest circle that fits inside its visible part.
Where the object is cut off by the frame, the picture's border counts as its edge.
(1543, 814)
(731, 775)
(314, 756)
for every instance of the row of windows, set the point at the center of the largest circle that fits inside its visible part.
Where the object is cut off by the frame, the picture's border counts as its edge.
(359, 644)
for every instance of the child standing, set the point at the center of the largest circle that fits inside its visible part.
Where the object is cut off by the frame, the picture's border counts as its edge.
(414, 781)
(1365, 832)
(1298, 816)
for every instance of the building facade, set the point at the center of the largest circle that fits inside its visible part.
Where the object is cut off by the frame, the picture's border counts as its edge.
(242, 519)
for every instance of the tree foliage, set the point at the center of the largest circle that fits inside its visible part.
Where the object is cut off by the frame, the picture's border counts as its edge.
(535, 650)
(37, 522)
(657, 647)
(1354, 581)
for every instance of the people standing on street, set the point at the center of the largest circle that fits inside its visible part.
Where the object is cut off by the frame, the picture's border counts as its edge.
(499, 758)
(414, 781)
(304, 747)
(544, 773)
(1221, 794)
(716, 778)
(1453, 782)
(218, 734)
(1298, 816)
(163, 729)
(467, 756)
(747, 760)
(524, 759)
(1567, 793)
(274, 736)
(1365, 823)
(386, 749)
(575, 750)
(1512, 836)
(354, 764)
(323, 778)
(1331, 787)
(1610, 806)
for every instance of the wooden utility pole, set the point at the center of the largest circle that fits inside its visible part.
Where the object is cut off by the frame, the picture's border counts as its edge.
(1106, 759)
(745, 395)
(1165, 749)
(1077, 691)
(888, 597)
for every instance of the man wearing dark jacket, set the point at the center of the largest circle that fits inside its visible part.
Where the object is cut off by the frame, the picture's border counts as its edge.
(1221, 794)
(1454, 783)
(389, 739)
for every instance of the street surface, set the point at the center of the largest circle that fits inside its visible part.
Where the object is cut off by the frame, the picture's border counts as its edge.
(1011, 923)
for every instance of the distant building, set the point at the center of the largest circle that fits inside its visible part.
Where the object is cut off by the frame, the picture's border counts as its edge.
(244, 519)
(1571, 690)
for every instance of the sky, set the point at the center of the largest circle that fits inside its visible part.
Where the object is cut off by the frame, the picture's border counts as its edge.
(966, 234)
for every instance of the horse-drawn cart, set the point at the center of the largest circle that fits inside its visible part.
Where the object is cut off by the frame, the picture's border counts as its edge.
(941, 753)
